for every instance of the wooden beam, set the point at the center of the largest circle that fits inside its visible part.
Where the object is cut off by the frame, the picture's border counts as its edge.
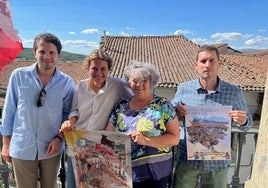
(259, 176)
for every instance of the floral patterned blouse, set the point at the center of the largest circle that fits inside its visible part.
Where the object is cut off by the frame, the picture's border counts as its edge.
(147, 162)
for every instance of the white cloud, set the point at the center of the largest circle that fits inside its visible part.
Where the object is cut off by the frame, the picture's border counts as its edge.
(90, 31)
(257, 41)
(122, 33)
(247, 36)
(183, 32)
(80, 43)
(201, 41)
(72, 33)
(235, 40)
(262, 30)
(127, 31)
(70, 45)
(27, 43)
(221, 37)
(130, 28)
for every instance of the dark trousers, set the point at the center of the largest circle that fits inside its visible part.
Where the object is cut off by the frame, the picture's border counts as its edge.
(162, 183)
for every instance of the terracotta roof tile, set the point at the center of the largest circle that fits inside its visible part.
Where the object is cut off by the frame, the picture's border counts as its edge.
(246, 71)
(174, 57)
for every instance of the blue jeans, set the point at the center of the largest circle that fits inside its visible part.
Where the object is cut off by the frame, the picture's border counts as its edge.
(70, 174)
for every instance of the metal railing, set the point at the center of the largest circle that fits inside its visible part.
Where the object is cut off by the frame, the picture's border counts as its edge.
(241, 137)
(235, 181)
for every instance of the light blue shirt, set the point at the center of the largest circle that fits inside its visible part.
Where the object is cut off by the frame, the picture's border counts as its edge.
(33, 128)
(226, 94)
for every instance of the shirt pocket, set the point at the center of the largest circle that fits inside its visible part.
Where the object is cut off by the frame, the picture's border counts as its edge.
(21, 140)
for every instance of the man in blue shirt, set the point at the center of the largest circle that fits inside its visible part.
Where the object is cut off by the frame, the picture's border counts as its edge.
(207, 90)
(38, 100)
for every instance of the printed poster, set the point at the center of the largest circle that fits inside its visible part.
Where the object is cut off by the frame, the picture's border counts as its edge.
(100, 159)
(208, 132)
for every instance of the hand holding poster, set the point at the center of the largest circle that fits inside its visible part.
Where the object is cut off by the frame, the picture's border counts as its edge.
(100, 158)
(208, 132)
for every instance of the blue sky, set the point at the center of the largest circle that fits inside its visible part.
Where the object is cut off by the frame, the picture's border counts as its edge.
(81, 23)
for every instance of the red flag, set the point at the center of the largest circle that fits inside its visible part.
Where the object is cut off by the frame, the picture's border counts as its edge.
(10, 44)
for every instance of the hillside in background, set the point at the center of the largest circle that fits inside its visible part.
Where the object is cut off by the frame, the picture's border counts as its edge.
(27, 54)
(249, 51)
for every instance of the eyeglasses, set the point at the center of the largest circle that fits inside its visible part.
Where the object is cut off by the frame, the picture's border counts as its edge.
(41, 98)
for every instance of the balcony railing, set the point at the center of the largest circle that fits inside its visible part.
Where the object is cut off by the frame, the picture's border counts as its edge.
(240, 138)
(238, 141)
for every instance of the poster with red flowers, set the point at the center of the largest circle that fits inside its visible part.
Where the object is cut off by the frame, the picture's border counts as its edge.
(208, 132)
(100, 158)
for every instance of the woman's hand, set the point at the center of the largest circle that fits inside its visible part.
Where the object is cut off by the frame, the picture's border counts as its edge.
(170, 138)
(138, 137)
(68, 125)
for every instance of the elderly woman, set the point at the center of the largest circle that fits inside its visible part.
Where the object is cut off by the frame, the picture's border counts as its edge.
(152, 124)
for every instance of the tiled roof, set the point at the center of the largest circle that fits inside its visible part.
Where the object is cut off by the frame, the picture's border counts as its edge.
(245, 71)
(173, 56)
(75, 69)
(225, 49)
(262, 53)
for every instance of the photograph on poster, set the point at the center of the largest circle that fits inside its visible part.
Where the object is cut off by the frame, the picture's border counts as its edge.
(100, 158)
(208, 132)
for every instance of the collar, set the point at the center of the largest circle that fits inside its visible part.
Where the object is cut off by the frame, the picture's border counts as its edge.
(33, 71)
(200, 89)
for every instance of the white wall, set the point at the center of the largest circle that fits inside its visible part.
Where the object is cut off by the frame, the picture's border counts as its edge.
(165, 92)
(252, 100)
